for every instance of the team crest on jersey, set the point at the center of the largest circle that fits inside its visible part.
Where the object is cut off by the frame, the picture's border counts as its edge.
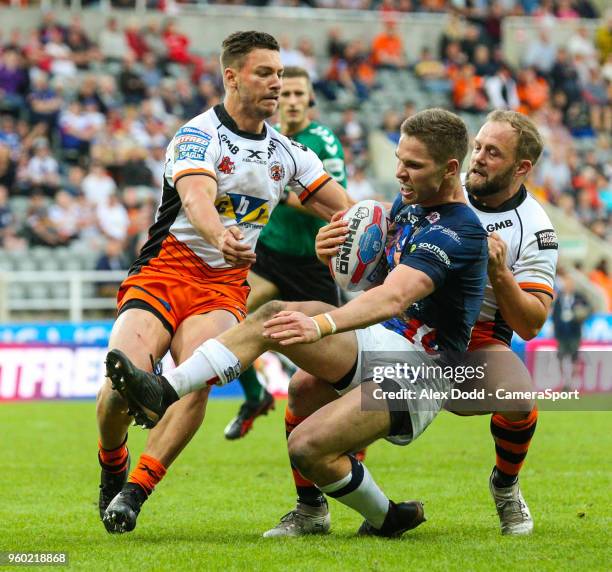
(243, 208)
(433, 217)
(277, 171)
(227, 166)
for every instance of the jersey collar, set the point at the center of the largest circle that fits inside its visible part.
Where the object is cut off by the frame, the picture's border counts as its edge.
(230, 124)
(509, 205)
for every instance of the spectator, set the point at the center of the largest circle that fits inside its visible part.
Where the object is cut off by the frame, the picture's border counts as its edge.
(388, 47)
(8, 168)
(483, 65)
(43, 170)
(62, 61)
(131, 84)
(555, 174)
(391, 125)
(13, 82)
(135, 40)
(600, 276)
(468, 92)
(564, 77)
(43, 102)
(565, 10)
(98, 185)
(533, 91)
(596, 95)
(112, 41)
(541, 53)
(64, 215)
(134, 171)
(290, 56)
(76, 132)
(7, 219)
(603, 37)
(570, 310)
(150, 72)
(431, 72)
(113, 218)
(501, 90)
(581, 45)
(74, 181)
(359, 187)
(113, 259)
(39, 229)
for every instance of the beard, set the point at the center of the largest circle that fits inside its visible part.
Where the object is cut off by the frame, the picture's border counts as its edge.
(497, 184)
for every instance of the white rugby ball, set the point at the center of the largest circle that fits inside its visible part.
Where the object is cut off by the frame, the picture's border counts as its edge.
(356, 266)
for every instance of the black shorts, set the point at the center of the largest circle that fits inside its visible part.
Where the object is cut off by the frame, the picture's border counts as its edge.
(297, 278)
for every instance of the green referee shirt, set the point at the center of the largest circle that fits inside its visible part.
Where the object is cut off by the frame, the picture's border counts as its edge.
(291, 231)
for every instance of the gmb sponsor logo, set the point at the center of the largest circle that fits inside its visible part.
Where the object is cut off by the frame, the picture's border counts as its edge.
(232, 147)
(492, 227)
(436, 250)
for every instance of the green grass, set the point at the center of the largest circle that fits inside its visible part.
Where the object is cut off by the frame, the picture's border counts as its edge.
(217, 499)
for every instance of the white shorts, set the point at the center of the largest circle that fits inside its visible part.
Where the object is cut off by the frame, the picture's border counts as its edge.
(379, 347)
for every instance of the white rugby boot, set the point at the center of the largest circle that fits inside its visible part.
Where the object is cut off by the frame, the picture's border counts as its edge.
(514, 515)
(301, 521)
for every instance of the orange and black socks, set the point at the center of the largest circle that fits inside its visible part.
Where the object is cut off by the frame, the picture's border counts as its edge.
(307, 491)
(512, 439)
(113, 460)
(147, 473)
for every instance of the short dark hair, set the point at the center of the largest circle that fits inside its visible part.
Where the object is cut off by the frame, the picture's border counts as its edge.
(237, 45)
(443, 133)
(529, 144)
(296, 71)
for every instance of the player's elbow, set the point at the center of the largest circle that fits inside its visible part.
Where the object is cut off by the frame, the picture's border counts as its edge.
(529, 331)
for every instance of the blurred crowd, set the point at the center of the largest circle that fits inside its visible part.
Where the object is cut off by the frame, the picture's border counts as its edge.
(84, 121)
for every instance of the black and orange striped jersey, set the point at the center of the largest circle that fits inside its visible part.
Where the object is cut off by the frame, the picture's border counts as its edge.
(251, 171)
(531, 255)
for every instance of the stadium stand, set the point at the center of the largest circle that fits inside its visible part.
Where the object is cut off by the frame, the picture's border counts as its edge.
(88, 102)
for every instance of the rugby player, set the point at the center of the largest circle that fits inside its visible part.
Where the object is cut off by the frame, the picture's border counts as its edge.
(225, 171)
(437, 257)
(287, 267)
(522, 265)
(518, 295)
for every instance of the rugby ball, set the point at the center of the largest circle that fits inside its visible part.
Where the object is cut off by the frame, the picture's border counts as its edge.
(356, 265)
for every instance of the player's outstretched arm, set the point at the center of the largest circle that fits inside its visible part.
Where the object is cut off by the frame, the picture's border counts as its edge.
(402, 287)
(329, 200)
(198, 193)
(525, 312)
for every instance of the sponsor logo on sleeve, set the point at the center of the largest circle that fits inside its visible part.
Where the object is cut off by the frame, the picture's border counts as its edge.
(435, 250)
(547, 239)
(298, 145)
(433, 217)
(191, 143)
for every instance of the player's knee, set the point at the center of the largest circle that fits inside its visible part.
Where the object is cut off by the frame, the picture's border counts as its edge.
(304, 453)
(267, 311)
(301, 387)
(109, 399)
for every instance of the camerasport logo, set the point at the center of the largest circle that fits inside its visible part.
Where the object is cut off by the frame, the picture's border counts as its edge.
(277, 172)
(226, 166)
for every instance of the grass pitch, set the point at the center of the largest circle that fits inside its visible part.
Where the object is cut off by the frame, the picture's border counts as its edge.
(217, 499)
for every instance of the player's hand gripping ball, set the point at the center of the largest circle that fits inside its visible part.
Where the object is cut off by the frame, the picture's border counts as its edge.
(356, 265)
